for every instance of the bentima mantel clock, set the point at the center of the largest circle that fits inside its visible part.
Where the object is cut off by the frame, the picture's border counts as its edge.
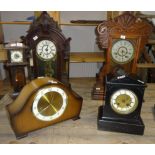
(41, 103)
(48, 49)
(123, 103)
(124, 39)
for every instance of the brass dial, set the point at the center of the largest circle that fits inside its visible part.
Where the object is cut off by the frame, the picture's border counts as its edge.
(49, 103)
(122, 51)
(46, 50)
(124, 101)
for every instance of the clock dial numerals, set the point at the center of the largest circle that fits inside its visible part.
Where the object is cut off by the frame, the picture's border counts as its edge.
(49, 103)
(122, 51)
(124, 101)
(46, 50)
(16, 56)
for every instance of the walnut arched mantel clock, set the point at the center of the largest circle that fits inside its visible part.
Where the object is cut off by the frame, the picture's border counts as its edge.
(48, 49)
(124, 39)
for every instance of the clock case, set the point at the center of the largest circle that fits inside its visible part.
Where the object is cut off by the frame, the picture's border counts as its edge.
(108, 119)
(123, 27)
(20, 112)
(45, 28)
(16, 48)
(16, 69)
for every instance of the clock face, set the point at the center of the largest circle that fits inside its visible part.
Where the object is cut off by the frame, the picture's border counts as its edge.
(16, 56)
(49, 103)
(122, 51)
(46, 50)
(124, 101)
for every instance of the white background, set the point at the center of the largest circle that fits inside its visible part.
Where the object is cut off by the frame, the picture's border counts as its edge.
(83, 5)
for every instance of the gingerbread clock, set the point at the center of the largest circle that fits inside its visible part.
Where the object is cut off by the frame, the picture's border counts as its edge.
(48, 49)
(124, 39)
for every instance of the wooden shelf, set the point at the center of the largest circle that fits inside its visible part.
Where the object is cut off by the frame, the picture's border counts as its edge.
(77, 57)
(145, 16)
(74, 57)
(77, 24)
(146, 65)
(151, 41)
(61, 24)
(3, 56)
(16, 22)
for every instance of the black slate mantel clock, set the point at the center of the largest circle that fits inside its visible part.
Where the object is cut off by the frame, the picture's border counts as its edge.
(48, 49)
(123, 103)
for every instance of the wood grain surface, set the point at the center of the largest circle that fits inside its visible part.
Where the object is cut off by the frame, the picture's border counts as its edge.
(85, 130)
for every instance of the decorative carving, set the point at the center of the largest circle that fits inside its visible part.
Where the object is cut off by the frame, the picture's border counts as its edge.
(124, 24)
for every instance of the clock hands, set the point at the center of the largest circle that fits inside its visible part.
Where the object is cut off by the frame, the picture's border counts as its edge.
(50, 105)
(42, 110)
(49, 102)
(46, 50)
(123, 101)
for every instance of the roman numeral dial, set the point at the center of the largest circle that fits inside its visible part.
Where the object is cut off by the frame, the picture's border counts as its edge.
(124, 101)
(122, 51)
(46, 50)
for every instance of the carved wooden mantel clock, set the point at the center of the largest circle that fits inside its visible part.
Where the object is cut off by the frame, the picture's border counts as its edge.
(49, 49)
(124, 38)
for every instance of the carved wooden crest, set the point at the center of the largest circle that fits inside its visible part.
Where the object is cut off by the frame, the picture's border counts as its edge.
(45, 26)
(125, 24)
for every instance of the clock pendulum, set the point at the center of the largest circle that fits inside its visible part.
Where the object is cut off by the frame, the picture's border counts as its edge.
(123, 103)
(46, 52)
(124, 39)
(41, 103)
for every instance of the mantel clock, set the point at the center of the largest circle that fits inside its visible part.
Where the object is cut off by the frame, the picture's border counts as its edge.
(17, 61)
(41, 103)
(48, 49)
(124, 39)
(123, 103)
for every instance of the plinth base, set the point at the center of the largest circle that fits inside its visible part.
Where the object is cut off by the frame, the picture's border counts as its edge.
(98, 92)
(107, 124)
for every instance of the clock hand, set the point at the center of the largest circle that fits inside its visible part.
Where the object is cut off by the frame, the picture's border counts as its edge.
(46, 48)
(50, 103)
(42, 110)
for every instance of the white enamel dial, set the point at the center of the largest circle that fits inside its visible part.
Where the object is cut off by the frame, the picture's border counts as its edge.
(124, 101)
(122, 51)
(16, 56)
(46, 50)
(49, 103)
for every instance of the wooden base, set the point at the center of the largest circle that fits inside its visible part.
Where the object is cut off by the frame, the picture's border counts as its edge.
(14, 95)
(109, 124)
(76, 118)
(21, 136)
(98, 92)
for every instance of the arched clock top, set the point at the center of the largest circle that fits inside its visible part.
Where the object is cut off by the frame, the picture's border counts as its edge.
(125, 24)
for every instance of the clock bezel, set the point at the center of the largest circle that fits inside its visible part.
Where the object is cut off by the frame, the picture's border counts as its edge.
(129, 111)
(19, 51)
(41, 58)
(38, 97)
(131, 58)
